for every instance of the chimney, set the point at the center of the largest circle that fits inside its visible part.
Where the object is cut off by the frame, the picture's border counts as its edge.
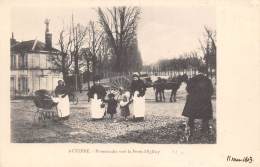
(48, 35)
(12, 40)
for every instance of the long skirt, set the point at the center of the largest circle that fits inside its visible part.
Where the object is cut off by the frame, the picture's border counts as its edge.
(97, 112)
(63, 106)
(198, 108)
(139, 107)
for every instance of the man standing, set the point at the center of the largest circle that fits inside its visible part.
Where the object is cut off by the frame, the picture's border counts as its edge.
(159, 88)
(198, 103)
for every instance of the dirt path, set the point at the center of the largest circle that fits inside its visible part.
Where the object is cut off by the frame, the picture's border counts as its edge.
(163, 124)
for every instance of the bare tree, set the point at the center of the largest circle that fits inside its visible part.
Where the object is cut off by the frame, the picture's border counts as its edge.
(87, 57)
(70, 42)
(63, 60)
(95, 37)
(209, 49)
(120, 24)
(78, 37)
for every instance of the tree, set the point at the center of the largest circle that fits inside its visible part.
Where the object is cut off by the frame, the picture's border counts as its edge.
(94, 44)
(70, 42)
(87, 56)
(120, 24)
(63, 60)
(209, 49)
(78, 35)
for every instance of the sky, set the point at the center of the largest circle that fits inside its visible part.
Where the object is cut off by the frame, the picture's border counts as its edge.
(163, 32)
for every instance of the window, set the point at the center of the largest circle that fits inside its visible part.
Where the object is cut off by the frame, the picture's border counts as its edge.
(13, 87)
(13, 61)
(23, 84)
(23, 60)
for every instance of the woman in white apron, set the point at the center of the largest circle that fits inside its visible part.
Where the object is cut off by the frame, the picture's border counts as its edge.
(138, 107)
(97, 108)
(62, 98)
(138, 89)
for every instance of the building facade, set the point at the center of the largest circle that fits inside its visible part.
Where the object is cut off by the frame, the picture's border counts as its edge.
(31, 68)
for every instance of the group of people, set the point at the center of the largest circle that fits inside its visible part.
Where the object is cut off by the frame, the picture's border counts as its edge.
(97, 93)
(198, 102)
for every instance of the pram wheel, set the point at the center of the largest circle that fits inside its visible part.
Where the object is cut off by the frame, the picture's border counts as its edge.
(38, 117)
(45, 107)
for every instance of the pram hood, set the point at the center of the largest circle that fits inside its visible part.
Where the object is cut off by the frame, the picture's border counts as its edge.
(42, 99)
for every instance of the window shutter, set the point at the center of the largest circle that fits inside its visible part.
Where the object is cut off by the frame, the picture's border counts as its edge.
(19, 60)
(19, 84)
(25, 60)
(14, 59)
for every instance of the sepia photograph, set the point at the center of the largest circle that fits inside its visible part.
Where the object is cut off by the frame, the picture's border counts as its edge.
(119, 74)
(130, 83)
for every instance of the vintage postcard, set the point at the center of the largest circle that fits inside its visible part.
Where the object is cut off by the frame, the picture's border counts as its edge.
(140, 83)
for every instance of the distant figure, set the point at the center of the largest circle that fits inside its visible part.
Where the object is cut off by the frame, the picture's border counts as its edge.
(198, 103)
(99, 90)
(62, 99)
(111, 105)
(159, 88)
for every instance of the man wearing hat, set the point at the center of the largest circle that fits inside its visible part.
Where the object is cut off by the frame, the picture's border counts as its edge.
(198, 103)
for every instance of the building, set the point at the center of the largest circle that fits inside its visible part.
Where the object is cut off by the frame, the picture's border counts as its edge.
(31, 68)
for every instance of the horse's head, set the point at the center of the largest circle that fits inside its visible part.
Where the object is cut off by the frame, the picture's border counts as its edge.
(181, 78)
(184, 78)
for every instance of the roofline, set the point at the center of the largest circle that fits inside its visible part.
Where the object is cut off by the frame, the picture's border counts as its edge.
(42, 51)
(34, 42)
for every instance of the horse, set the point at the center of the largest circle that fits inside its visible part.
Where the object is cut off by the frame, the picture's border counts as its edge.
(171, 84)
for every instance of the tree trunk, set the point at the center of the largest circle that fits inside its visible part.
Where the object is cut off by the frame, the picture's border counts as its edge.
(76, 69)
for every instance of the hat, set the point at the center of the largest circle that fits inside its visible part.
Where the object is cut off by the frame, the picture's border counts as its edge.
(111, 95)
(135, 74)
(60, 80)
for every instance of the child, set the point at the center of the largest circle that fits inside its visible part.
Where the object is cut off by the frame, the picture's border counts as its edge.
(111, 105)
(124, 106)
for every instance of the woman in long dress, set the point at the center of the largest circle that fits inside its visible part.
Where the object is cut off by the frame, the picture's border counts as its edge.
(62, 98)
(138, 89)
(138, 106)
(97, 108)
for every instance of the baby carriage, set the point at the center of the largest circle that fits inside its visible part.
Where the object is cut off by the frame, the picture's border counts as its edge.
(46, 108)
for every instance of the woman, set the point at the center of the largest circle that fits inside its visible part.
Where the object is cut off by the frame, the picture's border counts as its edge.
(62, 99)
(138, 89)
(97, 108)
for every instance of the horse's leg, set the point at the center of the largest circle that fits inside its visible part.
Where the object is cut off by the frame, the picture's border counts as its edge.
(171, 95)
(163, 95)
(156, 95)
(175, 95)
